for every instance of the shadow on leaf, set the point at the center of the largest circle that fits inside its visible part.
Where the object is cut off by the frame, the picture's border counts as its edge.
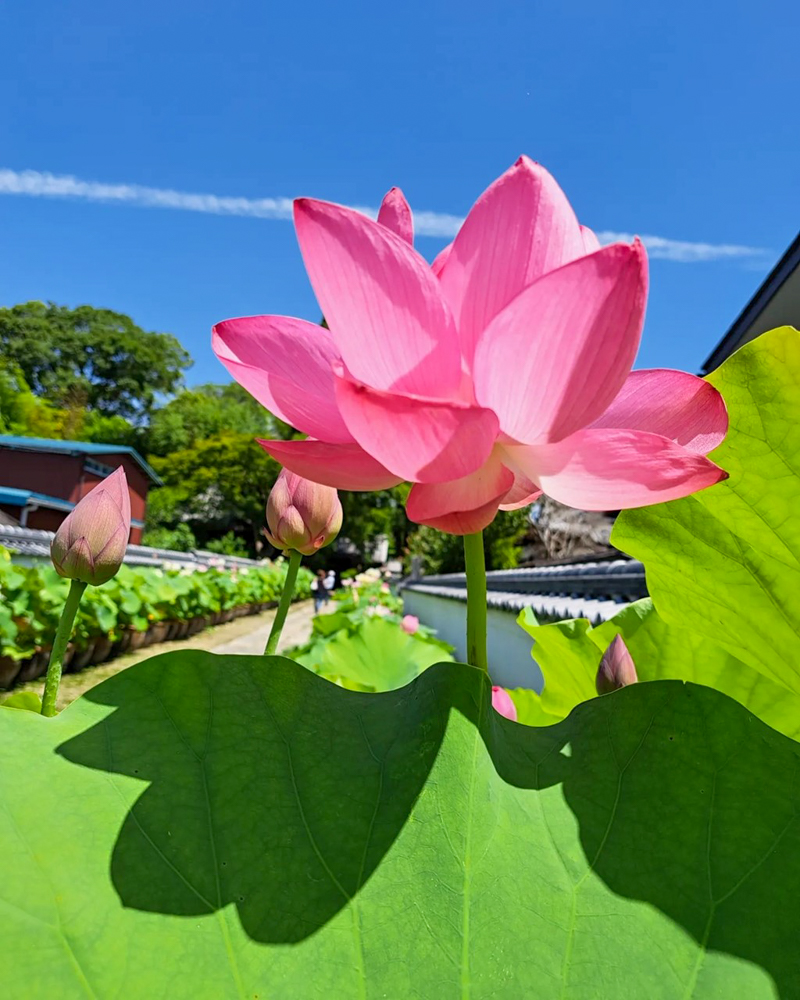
(280, 793)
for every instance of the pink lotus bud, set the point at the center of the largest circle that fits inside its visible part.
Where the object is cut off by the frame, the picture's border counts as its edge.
(385, 588)
(410, 624)
(502, 703)
(617, 668)
(90, 544)
(302, 515)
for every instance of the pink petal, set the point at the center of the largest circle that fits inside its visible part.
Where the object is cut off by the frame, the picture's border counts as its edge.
(345, 466)
(285, 364)
(610, 469)
(522, 493)
(502, 703)
(421, 440)
(461, 506)
(116, 485)
(395, 214)
(519, 229)
(440, 260)
(590, 240)
(554, 359)
(465, 522)
(676, 405)
(381, 301)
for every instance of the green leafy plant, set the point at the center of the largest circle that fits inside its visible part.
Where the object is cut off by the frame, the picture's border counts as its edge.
(726, 562)
(31, 598)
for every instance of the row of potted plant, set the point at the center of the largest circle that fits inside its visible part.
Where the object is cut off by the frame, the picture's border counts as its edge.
(140, 606)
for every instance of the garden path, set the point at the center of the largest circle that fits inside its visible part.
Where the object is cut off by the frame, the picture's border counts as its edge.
(243, 635)
(296, 631)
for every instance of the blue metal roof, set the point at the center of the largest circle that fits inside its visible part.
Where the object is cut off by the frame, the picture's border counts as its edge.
(20, 498)
(77, 448)
(13, 497)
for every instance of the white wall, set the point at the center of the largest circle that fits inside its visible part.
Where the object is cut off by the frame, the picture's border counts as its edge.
(509, 646)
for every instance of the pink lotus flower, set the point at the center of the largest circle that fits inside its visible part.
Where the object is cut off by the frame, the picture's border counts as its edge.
(410, 624)
(501, 371)
(302, 515)
(502, 703)
(90, 543)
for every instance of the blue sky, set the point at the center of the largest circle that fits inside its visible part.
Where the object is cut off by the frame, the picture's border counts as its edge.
(673, 120)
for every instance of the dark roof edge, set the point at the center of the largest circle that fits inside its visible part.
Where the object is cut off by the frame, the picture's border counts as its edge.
(21, 443)
(771, 284)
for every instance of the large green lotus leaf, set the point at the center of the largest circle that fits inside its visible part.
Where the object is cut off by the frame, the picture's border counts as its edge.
(377, 656)
(202, 827)
(569, 654)
(726, 561)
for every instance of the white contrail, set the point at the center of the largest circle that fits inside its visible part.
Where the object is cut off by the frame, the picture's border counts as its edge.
(36, 184)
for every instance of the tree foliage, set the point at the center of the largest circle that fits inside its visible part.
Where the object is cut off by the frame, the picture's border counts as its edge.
(91, 357)
(216, 486)
(206, 411)
(442, 553)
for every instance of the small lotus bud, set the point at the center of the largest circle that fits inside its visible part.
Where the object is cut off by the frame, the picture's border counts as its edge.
(617, 668)
(302, 515)
(410, 624)
(502, 703)
(90, 544)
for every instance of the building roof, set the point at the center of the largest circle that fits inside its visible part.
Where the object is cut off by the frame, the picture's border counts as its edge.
(776, 303)
(78, 448)
(13, 497)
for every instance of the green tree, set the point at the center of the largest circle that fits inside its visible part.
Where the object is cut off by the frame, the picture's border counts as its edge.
(111, 430)
(217, 486)
(369, 515)
(95, 358)
(443, 553)
(21, 412)
(201, 413)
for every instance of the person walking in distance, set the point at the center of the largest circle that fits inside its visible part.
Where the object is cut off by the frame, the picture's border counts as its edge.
(320, 591)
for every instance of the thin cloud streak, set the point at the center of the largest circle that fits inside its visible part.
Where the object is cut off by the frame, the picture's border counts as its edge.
(36, 184)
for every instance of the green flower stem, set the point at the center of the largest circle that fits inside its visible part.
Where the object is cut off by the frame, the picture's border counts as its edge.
(63, 633)
(286, 600)
(476, 600)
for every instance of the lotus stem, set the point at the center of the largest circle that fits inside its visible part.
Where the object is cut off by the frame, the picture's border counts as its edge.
(475, 562)
(286, 599)
(63, 633)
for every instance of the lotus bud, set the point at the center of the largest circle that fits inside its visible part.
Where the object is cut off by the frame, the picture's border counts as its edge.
(502, 703)
(90, 544)
(302, 515)
(617, 668)
(410, 624)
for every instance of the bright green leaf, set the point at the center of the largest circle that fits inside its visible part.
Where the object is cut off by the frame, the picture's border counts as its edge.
(726, 561)
(569, 654)
(28, 701)
(377, 656)
(205, 827)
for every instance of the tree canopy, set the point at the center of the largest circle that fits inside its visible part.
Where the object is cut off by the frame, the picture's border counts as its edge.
(91, 357)
(206, 411)
(215, 486)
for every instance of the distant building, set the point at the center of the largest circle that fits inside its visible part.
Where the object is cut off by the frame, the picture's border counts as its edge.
(776, 303)
(41, 479)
